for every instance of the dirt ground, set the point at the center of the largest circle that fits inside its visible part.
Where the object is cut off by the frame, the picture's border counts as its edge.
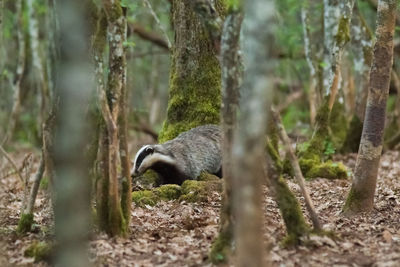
(180, 234)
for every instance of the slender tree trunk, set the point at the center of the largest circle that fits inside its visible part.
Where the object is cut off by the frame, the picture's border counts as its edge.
(14, 116)
(231, 79)
(37, 62)
(72, 212)
(110, 107)
(126, 199)
(361, 195)
(296, 167)
(248, 151)
(361, 45)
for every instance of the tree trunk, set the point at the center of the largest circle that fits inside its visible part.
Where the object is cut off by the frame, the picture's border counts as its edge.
(248, 149)
(195, 75)
(72, 212)
(361, 195)
(361, 45)
(110, 107)
(231, 79)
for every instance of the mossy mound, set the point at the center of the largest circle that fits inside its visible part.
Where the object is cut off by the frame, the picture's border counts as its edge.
(25, 223)
(190, 191)
(40, 251)
(147, 180)
(198, 191)
(204, 176)
(329, 170)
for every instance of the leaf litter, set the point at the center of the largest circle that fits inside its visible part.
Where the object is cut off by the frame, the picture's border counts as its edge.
(180, 234)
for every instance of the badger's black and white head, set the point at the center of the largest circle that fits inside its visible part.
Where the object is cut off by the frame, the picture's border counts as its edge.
(149, 156)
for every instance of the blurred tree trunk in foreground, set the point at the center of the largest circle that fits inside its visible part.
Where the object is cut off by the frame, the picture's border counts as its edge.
(71, 185)
(195, 75)
(231, 68)
(361, 195)
(249, 142)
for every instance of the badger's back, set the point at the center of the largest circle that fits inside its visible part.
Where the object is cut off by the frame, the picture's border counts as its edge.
(197, 150)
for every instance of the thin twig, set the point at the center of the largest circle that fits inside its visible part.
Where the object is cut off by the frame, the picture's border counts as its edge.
(147, 3)
(12, 162)
(296, 167)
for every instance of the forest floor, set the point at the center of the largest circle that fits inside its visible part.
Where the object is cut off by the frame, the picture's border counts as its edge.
(180, 234)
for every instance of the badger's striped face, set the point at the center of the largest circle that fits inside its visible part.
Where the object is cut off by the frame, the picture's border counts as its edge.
(146, 157)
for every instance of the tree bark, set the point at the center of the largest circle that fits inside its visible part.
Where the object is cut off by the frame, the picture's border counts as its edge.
(248, 149)
(361, 195)
(231, 65)
(71, 183)
(195, 75)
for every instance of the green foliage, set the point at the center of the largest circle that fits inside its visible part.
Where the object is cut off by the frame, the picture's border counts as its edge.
(25, 223)
(329, 148)
(293, 115)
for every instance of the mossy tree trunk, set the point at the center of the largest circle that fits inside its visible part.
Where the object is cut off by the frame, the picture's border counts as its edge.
(195, 75)
(361, 195)
(112, 209)
(337, 34)
(248, 148)
(71, 183)
(126, 199)
(361, 45)
(231, 79)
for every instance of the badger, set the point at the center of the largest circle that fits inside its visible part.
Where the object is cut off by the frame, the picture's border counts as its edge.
(184, 157)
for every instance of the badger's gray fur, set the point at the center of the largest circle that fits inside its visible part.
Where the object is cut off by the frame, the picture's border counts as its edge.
(184, 157)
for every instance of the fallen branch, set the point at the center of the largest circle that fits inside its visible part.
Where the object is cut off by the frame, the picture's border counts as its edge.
(296, 167)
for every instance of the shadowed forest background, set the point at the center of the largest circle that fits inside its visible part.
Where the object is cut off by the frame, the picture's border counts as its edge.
(306, 95)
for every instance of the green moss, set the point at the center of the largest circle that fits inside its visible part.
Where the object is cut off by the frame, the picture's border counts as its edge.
(221, 247)
(338, 124)
(147, 180)
(354, 202)
(195, 82)
(41, 251)
(145, 197)
(44, 183)
(291, 212)
(25, 223)
(353, 136)
(343, 34)
(198, 191)
(329, 170)
(168, 192)
(205, 176)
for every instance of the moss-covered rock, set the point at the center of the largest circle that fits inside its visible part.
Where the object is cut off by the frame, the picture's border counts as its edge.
(25, 223)
(145, 197)
(147, 180)
(168, 192)
(40, 251)
(329, 170)
(205, 176)
(198, 191)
